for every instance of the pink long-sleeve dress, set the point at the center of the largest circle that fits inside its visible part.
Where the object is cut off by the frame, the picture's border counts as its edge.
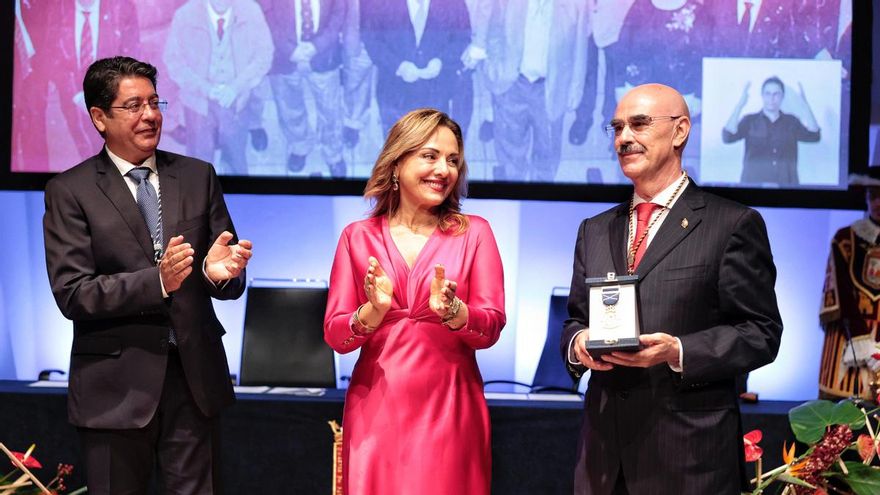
(415, 418)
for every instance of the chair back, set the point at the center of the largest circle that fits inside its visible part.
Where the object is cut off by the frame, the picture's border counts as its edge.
(284, 338)
(552, 373)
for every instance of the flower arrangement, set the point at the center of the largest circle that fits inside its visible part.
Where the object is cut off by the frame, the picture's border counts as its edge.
(21, 480)
(836, 461)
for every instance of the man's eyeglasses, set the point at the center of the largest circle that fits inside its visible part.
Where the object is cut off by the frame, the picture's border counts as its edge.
(136, 107)
(637, 124)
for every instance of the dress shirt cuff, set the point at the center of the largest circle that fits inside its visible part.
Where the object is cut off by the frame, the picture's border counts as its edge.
(165, 294)
(218, 285)
(680, 367)
(572, 357)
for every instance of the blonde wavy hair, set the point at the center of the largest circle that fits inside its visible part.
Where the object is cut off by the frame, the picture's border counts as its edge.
(407, 136)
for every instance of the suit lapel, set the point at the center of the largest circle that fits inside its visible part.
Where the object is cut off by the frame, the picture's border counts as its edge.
(112, 184)
(618, 238)
(681, 220)
(169, 191)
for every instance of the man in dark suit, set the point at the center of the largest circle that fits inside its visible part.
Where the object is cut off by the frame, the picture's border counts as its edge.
(416, 46)
(665, 419)
(148, 372)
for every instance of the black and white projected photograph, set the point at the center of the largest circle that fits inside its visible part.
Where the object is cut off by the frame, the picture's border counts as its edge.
(264, 88)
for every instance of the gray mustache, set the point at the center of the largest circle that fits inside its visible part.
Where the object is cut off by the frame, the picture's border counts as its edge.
(630, 148)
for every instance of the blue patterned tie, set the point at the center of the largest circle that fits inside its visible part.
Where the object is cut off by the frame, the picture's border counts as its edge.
(148, 203)
(151, 209)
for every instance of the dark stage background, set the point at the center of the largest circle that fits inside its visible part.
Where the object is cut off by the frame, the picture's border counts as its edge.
(283, 444)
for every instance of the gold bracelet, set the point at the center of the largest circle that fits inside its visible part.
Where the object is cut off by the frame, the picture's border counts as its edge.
(357, 326)
(452, 311)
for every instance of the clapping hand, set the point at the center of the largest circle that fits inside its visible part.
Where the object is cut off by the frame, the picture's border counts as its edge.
(442, 292)
(378, 286)
(176, 264)
(226, 261)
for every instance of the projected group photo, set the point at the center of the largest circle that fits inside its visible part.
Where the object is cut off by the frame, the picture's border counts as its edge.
(308, 89)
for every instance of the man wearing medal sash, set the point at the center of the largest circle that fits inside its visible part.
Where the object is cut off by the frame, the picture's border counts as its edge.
(665, 419)
(138, 241)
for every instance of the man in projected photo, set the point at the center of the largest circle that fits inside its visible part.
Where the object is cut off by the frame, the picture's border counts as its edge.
(138, 242)
(416, 46)
(535, 68)
(771, 136)
(357, 76)
(307, 61)
(217, 52)
(82, 31)
(665, 419)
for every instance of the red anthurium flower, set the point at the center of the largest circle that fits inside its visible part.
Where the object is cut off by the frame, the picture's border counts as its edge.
(866, 447)
(28, 461)
(750, 440)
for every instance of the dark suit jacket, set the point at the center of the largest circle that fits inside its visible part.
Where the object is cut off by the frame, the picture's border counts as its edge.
(776, 33)
(390, 39)
(709, 282)
(281, 17)
(100, 262)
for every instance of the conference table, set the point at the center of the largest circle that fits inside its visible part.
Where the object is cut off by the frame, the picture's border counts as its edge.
(279, 440)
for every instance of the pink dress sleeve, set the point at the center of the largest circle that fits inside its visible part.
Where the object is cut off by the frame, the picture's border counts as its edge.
(342, 300)
(485, 297)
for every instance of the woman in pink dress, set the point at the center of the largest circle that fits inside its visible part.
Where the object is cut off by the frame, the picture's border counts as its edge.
(418, 288)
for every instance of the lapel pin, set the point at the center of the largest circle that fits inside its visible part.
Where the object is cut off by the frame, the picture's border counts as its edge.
(684, 223)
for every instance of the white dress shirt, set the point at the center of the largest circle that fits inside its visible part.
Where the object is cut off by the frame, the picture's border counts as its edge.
(536, 43)
(671, 195)
(316, 17)
(215, 16)
(741, 11)
(418, 22)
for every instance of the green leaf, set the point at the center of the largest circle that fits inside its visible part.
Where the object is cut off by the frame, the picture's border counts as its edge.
(810, 419)
(846, 413)
(864, 480)
(787, 478)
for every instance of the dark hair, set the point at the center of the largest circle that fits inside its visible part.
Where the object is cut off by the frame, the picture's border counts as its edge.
(101, 83)
(773, 80)
(407, 135)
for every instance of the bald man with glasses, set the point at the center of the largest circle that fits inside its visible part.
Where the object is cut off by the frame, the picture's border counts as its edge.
(665, 419)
